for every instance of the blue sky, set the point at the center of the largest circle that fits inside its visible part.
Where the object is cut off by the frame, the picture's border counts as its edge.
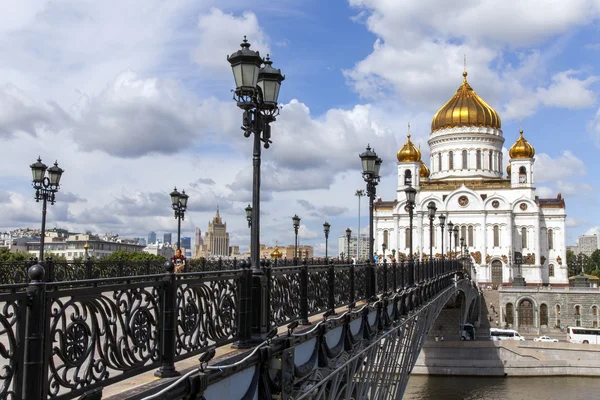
(134, 97)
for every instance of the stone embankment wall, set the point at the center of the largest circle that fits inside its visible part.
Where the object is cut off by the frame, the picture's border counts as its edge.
(508, 358)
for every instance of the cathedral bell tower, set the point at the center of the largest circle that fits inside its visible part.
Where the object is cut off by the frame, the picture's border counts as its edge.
(410, 167)
(520, 169)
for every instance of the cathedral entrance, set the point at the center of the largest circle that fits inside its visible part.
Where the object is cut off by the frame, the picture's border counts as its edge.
(526, 313)
(496, 272)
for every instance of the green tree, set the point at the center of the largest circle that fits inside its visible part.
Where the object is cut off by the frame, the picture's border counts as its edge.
(122, 255)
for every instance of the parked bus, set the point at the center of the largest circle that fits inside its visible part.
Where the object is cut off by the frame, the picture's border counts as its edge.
(583, 335)
(467, 332)
(505, 334)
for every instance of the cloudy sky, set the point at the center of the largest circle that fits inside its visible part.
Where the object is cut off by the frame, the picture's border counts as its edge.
(133, 97)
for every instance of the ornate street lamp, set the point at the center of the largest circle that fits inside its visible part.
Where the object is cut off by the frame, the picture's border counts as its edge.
(256, 93)
(249, 215)
(45, 190)
(348, 236)
(179, 204)
(442, 223)
(296, 221)
(383, 247)
(411, 194)
(450, 232)
(462, 246)
(431, 209)
(326, 228)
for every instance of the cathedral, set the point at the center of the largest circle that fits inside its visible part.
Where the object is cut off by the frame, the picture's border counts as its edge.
(499, 217)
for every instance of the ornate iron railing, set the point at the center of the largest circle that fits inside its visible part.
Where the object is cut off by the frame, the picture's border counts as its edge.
(60, 339)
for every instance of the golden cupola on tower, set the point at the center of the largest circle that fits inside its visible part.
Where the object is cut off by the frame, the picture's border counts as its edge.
(424, 172)
(408, 152)
(522, 148)
(276, 253)
(465, 108)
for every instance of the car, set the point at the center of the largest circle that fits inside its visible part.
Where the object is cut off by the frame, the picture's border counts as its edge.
(545, 339)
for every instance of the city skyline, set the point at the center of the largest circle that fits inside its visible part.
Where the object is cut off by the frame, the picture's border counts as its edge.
(341, 95)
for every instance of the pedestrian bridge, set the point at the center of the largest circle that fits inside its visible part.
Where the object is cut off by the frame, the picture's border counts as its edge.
(309, 331)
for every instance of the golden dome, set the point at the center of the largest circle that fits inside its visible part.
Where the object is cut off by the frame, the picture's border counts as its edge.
(85, 246)
(522, 148)
(508, 170)
(276, 253)
(465, 108)
(424, 173)
(408, 152)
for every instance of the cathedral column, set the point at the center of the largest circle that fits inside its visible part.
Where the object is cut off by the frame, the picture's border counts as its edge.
(484, 246)
(420, 234)
(510, 244)
(395, 241)
(538, 247)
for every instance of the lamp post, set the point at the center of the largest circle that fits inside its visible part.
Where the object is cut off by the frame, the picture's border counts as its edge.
(411, 193)
(45, 190)
(257, 90)
(359, 193)
(249, 215)
(431, 209)
(371, 164)
(394, 254)
(383, 247)
(348, 236)
(518, 280)
(326, 228)
(462, 246)
(450, 231)
(442, 223)
(179, 204)
(296, 221)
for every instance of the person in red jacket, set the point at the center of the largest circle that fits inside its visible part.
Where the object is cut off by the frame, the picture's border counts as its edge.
(179, 261)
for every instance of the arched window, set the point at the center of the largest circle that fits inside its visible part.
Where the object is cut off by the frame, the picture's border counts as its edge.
(407, 238)
(407, 177)
(500, 161)
(544, 314)
(450, 160)
(385, 238)
(577, 315)
(464, 159)
(551, 270)
(509, 314)
(524, 238)
(463, 234)
(471, 236)
(496, 236)
(478, 159)
(491, 167)
(439, 161)
(550, 239)
(522, 175)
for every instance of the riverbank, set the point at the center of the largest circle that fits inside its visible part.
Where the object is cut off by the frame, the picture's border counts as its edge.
(508, 358)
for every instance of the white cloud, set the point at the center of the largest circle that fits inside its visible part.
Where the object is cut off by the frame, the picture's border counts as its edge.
(568, 92)
(565, 166)
(221, 32)
(594, 230)
(574, 222)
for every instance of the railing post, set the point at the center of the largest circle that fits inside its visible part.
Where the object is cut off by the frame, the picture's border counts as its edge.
(369, 292)
(385, 276)
(35, 376)
(395, 275)
(331, 286)
(304, 293)
(49, 266)
(411, 272)
(88, 268)
(352, 288)
(169, 321)
(147, 267)
(244, 321)
(402, 274)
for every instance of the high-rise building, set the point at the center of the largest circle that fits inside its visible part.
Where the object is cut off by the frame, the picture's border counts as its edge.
(152, 237)
(198, 242)
(217, 238)
(167, 238)
(186, 242)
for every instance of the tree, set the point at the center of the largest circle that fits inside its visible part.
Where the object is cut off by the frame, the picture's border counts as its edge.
(122, 255)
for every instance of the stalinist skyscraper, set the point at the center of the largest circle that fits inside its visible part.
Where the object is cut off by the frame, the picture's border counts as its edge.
(216, 242)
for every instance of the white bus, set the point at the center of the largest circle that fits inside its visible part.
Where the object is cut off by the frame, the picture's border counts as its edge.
(505, 334)
(583, 335)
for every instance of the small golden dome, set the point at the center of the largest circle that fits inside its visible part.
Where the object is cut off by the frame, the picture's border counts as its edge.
(85, 246)
(408, 152)
(424, 173)
(522, 148)
(508, 170)
(465, 108)
(276, 253)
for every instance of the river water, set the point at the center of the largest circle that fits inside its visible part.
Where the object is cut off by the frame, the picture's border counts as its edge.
(423, 387)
